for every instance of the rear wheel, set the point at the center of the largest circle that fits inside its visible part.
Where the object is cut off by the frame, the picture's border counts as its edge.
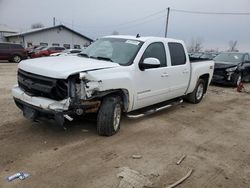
(16, 58)
(109, 116)
(197, 95)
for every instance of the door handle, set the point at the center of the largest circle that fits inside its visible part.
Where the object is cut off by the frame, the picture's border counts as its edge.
(164, 74)
(185, 71)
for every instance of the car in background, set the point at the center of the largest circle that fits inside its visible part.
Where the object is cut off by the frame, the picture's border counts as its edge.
(67, 52)
(47, 51)
(208, 55)
(12, 52)
(231, 68)
(34, 49)
(195, 54)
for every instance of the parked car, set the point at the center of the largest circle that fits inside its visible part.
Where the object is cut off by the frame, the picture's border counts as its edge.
(208, 55)
(34, 49)
(231, 68)
(12, 52)
(114, 75)
(195, 54)
(67, 52)
(47, 51)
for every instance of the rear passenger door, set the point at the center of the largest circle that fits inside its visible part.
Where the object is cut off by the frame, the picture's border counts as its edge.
(179, 71)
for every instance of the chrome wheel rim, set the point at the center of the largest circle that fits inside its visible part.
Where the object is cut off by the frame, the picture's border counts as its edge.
(239, 80)
(17, 59)
(117, 116)
(199, 92)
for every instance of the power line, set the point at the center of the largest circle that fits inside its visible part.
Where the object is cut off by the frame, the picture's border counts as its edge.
(213, 13)
(122, 24)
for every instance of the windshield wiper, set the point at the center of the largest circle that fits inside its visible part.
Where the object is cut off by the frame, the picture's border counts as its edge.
(102, 58)
(83, 55)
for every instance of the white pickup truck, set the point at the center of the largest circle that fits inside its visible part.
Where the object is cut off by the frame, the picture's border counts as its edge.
(114, 75)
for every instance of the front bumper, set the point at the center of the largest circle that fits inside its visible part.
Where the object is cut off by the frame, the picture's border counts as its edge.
(218, 79)
(36, 107)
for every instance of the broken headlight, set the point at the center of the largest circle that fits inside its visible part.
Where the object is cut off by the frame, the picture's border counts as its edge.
(232, 69)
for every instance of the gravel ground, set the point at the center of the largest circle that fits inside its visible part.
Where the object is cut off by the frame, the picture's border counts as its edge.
(214, 135)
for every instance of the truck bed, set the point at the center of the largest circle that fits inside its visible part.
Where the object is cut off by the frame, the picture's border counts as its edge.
(195, 59)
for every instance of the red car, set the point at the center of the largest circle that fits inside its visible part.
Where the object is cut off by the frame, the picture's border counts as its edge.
(47, 51)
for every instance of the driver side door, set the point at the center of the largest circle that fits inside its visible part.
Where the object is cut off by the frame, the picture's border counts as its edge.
(151, 84)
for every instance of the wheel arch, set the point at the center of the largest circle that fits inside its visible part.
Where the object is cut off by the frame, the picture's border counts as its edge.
(123, 93)
(205, 77)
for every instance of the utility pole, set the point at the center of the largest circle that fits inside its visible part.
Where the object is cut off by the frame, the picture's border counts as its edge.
(166, 29)
(54, 21)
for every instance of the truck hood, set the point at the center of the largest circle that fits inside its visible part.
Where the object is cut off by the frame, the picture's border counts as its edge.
(62, 67)
(223, 65)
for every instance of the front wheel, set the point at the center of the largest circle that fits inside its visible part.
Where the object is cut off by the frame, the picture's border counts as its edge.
(197, 95)
(237, 79)
(109, 116)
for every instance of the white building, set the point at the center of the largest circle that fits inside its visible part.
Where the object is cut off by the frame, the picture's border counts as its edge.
(59, 35)
(5, 30)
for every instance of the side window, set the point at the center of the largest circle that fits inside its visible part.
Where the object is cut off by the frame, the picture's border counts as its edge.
(177, 54)
(16, 46)
(4, 47)
(246, 58)
(156, 50)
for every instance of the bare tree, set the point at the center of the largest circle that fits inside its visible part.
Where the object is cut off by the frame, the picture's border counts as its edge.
(233, 46)
(195, 45)
(37, 25)
(115, 33)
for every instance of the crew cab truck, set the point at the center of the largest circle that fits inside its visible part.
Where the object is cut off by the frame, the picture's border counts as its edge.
(114, 75)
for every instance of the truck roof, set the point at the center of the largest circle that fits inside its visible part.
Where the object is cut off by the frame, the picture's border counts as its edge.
(143, 39)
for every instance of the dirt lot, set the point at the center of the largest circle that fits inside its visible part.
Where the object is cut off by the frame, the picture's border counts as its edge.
(214, 134)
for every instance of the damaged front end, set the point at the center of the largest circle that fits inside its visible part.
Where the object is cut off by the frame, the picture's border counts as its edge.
(38, 96)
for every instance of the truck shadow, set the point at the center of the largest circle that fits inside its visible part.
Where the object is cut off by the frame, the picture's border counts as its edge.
(86, 124)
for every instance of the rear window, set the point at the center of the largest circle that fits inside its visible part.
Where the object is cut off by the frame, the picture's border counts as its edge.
(177, 54)
(4, 46)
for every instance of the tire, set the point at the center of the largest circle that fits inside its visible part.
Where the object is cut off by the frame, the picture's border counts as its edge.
(237, 79)
(16, 59)
(197, 95)
(109, 116)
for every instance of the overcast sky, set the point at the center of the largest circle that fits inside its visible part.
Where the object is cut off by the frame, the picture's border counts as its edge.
(96, 18)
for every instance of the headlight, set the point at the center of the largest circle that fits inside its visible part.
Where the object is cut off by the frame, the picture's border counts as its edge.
(231, 69)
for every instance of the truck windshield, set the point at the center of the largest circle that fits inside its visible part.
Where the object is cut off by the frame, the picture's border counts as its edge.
(121, 51)
(229, 58)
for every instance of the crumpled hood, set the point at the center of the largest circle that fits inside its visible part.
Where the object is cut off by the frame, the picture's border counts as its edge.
(63, 67)
(219, 65)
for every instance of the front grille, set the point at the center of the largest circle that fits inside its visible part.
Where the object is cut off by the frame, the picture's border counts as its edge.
(36, 85)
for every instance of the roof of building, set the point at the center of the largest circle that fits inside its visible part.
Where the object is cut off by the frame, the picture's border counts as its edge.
(46, 29)
(5, 28)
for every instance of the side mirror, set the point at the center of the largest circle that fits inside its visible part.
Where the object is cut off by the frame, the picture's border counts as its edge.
(150, 63)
